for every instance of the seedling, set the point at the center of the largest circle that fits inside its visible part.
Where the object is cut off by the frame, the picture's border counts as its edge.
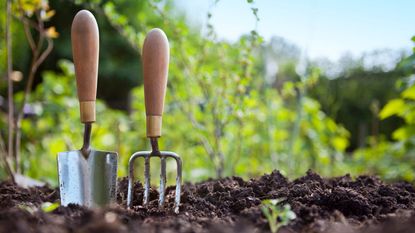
(45, 207)
(49, 207)
(276, 214)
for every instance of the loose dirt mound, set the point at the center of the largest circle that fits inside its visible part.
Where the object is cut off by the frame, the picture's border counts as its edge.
(226, 205)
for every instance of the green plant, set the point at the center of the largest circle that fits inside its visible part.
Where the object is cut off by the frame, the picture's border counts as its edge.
(277, 215)
(392, 160)
(33, 16)
(221, 114)
(49, 207)
(58, 127)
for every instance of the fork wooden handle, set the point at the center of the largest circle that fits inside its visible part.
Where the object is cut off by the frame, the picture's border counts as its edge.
(155, 59)
(85, 50)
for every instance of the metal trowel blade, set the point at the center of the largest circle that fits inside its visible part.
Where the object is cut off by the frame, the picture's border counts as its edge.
(90, 181)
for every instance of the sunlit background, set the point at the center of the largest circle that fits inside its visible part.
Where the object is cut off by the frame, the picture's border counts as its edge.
(320, 28)
(253, 86)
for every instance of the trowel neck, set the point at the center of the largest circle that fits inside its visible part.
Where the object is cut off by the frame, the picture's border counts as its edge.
(87, 138)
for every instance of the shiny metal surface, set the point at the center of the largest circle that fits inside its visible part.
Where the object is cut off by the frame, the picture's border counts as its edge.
(90, 181)
(86, 146)
(162, 155)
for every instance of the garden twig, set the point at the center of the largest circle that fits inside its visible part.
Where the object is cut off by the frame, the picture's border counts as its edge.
(10, 101)
(3, 154)
(38, 57)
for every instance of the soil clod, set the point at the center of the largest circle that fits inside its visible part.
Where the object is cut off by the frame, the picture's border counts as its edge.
(339, 204)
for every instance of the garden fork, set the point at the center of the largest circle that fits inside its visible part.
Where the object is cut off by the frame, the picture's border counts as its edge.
(155, 58)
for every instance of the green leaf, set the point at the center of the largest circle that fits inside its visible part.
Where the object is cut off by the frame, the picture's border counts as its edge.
(393, 107)
(340, 143)
(49, 207)
(277, 216)
(409, 93)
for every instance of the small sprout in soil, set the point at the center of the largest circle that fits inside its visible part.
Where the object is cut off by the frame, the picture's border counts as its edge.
(29, 208)
(49, 207)
(276, 214)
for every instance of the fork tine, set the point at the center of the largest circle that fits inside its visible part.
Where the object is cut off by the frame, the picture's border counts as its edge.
(146, 180)
(130, 191)
(178, 184)
(178, 160)
(162, 180)
(130, 182)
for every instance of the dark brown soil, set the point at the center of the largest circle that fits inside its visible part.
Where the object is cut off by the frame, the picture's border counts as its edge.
(340, 204)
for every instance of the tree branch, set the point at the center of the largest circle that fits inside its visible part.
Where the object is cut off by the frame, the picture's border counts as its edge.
(28, 34)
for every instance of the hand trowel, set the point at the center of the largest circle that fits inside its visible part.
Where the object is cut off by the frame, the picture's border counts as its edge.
(86, 177)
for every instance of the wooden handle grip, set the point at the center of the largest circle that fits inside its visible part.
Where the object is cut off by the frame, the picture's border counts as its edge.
(85, 50)
(155, 58)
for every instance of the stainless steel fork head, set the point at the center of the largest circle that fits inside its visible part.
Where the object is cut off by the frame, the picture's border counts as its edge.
(162, 155)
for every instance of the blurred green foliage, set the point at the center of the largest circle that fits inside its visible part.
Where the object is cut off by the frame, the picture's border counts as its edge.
(354, 96)
(393, 160)
(222, 115)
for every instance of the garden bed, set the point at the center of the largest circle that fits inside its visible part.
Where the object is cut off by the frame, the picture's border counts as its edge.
(340, 204)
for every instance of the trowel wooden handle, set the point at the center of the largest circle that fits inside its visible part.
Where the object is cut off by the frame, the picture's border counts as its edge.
(155, 58)
(85, 50)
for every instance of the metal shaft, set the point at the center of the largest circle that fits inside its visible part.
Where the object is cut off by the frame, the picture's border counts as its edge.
(86, 147)
(156, 152)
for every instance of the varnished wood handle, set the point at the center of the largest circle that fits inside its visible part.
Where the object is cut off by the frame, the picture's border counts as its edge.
(85, 50)
(155, 59)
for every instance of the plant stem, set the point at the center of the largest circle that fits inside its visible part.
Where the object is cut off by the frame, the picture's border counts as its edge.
(10, 102)
(295, 133)
(38, 56)
(3, 154)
